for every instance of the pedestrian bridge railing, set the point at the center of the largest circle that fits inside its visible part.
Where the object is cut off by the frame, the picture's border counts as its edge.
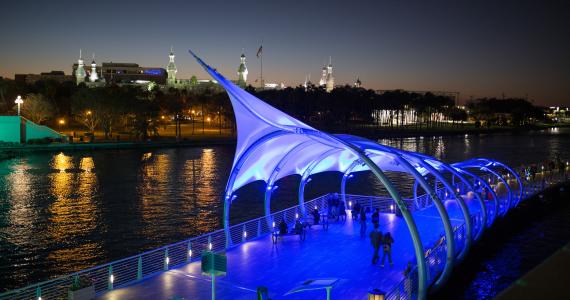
(132, 269)
(435, 256)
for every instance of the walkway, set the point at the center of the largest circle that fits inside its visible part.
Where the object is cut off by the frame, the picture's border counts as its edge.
(338, 253)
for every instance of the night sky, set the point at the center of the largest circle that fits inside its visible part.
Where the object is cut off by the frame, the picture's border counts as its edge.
(478, 48)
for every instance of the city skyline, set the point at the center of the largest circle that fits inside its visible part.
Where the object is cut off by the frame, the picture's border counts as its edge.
(479, 50)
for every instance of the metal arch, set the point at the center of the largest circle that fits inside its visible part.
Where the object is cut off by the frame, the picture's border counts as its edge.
(306, 175)
(275, 172)
(235, 170)
(460, 201)
(345, 176)
(515, 174)
(510, 204)
(462, 204)
(416, 193)
(496, 212)
(450, 241)
(418, 246)
(484, 168)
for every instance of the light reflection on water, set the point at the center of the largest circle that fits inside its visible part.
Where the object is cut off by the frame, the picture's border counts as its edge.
(68, 211)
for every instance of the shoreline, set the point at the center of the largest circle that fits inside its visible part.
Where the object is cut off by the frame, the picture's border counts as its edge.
(11, 151)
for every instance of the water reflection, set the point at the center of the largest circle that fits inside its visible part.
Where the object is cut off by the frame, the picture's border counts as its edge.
(73, 213)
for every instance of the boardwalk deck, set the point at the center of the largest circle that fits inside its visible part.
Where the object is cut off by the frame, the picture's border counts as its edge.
(338, 253)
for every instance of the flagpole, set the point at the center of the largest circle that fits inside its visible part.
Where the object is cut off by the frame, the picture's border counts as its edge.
(261, 57)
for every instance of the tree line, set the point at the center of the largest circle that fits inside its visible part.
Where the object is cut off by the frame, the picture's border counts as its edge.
(140, 112)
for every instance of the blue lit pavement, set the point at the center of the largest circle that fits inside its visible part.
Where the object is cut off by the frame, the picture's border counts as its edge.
(337, 253)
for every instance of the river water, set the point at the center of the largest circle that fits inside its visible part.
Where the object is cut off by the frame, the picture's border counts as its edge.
(63, 212)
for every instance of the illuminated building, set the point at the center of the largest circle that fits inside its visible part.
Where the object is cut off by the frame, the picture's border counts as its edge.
(242, 72)
(80, 74)
(171, 70)
(93, 76)
(327, 79)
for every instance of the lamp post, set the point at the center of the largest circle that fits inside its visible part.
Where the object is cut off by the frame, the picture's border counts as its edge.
(19, 101)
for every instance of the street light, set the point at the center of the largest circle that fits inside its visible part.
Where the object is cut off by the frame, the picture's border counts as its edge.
(19, 101)
(61, 123)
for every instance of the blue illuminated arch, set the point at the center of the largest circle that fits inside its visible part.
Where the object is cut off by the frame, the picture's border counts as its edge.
(268, 141)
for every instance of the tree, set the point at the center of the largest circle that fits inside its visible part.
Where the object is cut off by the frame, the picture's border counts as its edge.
(37, 108)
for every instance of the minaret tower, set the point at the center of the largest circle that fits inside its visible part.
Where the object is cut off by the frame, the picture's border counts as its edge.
(171, 70)
(330, 78)
(323, 80)
(80, 72)
(242, 72)
(93, 77)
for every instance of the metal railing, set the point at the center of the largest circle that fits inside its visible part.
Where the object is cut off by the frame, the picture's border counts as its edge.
(132, 269)
(435, 256)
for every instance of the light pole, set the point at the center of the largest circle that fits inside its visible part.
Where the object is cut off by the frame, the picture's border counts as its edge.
(19, 101)
(61, 123)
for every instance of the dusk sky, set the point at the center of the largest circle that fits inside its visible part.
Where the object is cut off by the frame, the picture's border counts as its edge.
(477, 48)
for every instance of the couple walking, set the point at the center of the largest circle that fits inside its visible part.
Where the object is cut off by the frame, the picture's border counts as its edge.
(377, 240)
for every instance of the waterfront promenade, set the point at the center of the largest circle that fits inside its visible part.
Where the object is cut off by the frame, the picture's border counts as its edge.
(339, 252)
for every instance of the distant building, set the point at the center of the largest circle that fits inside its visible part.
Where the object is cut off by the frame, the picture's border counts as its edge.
(327, 79)
(242, 72)
(171, 70)
(58, 76)
(117, 73)
(358, 83)
(185, 84)
(79, 70)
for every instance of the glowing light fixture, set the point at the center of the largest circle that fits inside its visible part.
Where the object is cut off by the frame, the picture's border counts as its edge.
(112, 278)
(19, 101)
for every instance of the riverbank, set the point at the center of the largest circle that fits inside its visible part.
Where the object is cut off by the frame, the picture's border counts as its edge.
(8, 151)
(386, 132)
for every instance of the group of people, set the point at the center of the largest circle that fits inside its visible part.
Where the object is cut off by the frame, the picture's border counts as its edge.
(377, 239)
(284, 228)
(551, 165)
(336, 208)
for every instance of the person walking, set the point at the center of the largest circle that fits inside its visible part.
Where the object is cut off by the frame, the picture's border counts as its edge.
(362, 222)
(355, 210)
(387, 248)
(376, 217)
(376, 241)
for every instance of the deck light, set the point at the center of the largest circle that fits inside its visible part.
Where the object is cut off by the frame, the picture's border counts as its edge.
(167, 260)
(210, 246)
(189, 253)
(315, 207)
(296, 215)
(349, 204)
(392, 207)
(458, 190)
(273, 224)
(245, 234)
(376, 294)
(111, 278)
